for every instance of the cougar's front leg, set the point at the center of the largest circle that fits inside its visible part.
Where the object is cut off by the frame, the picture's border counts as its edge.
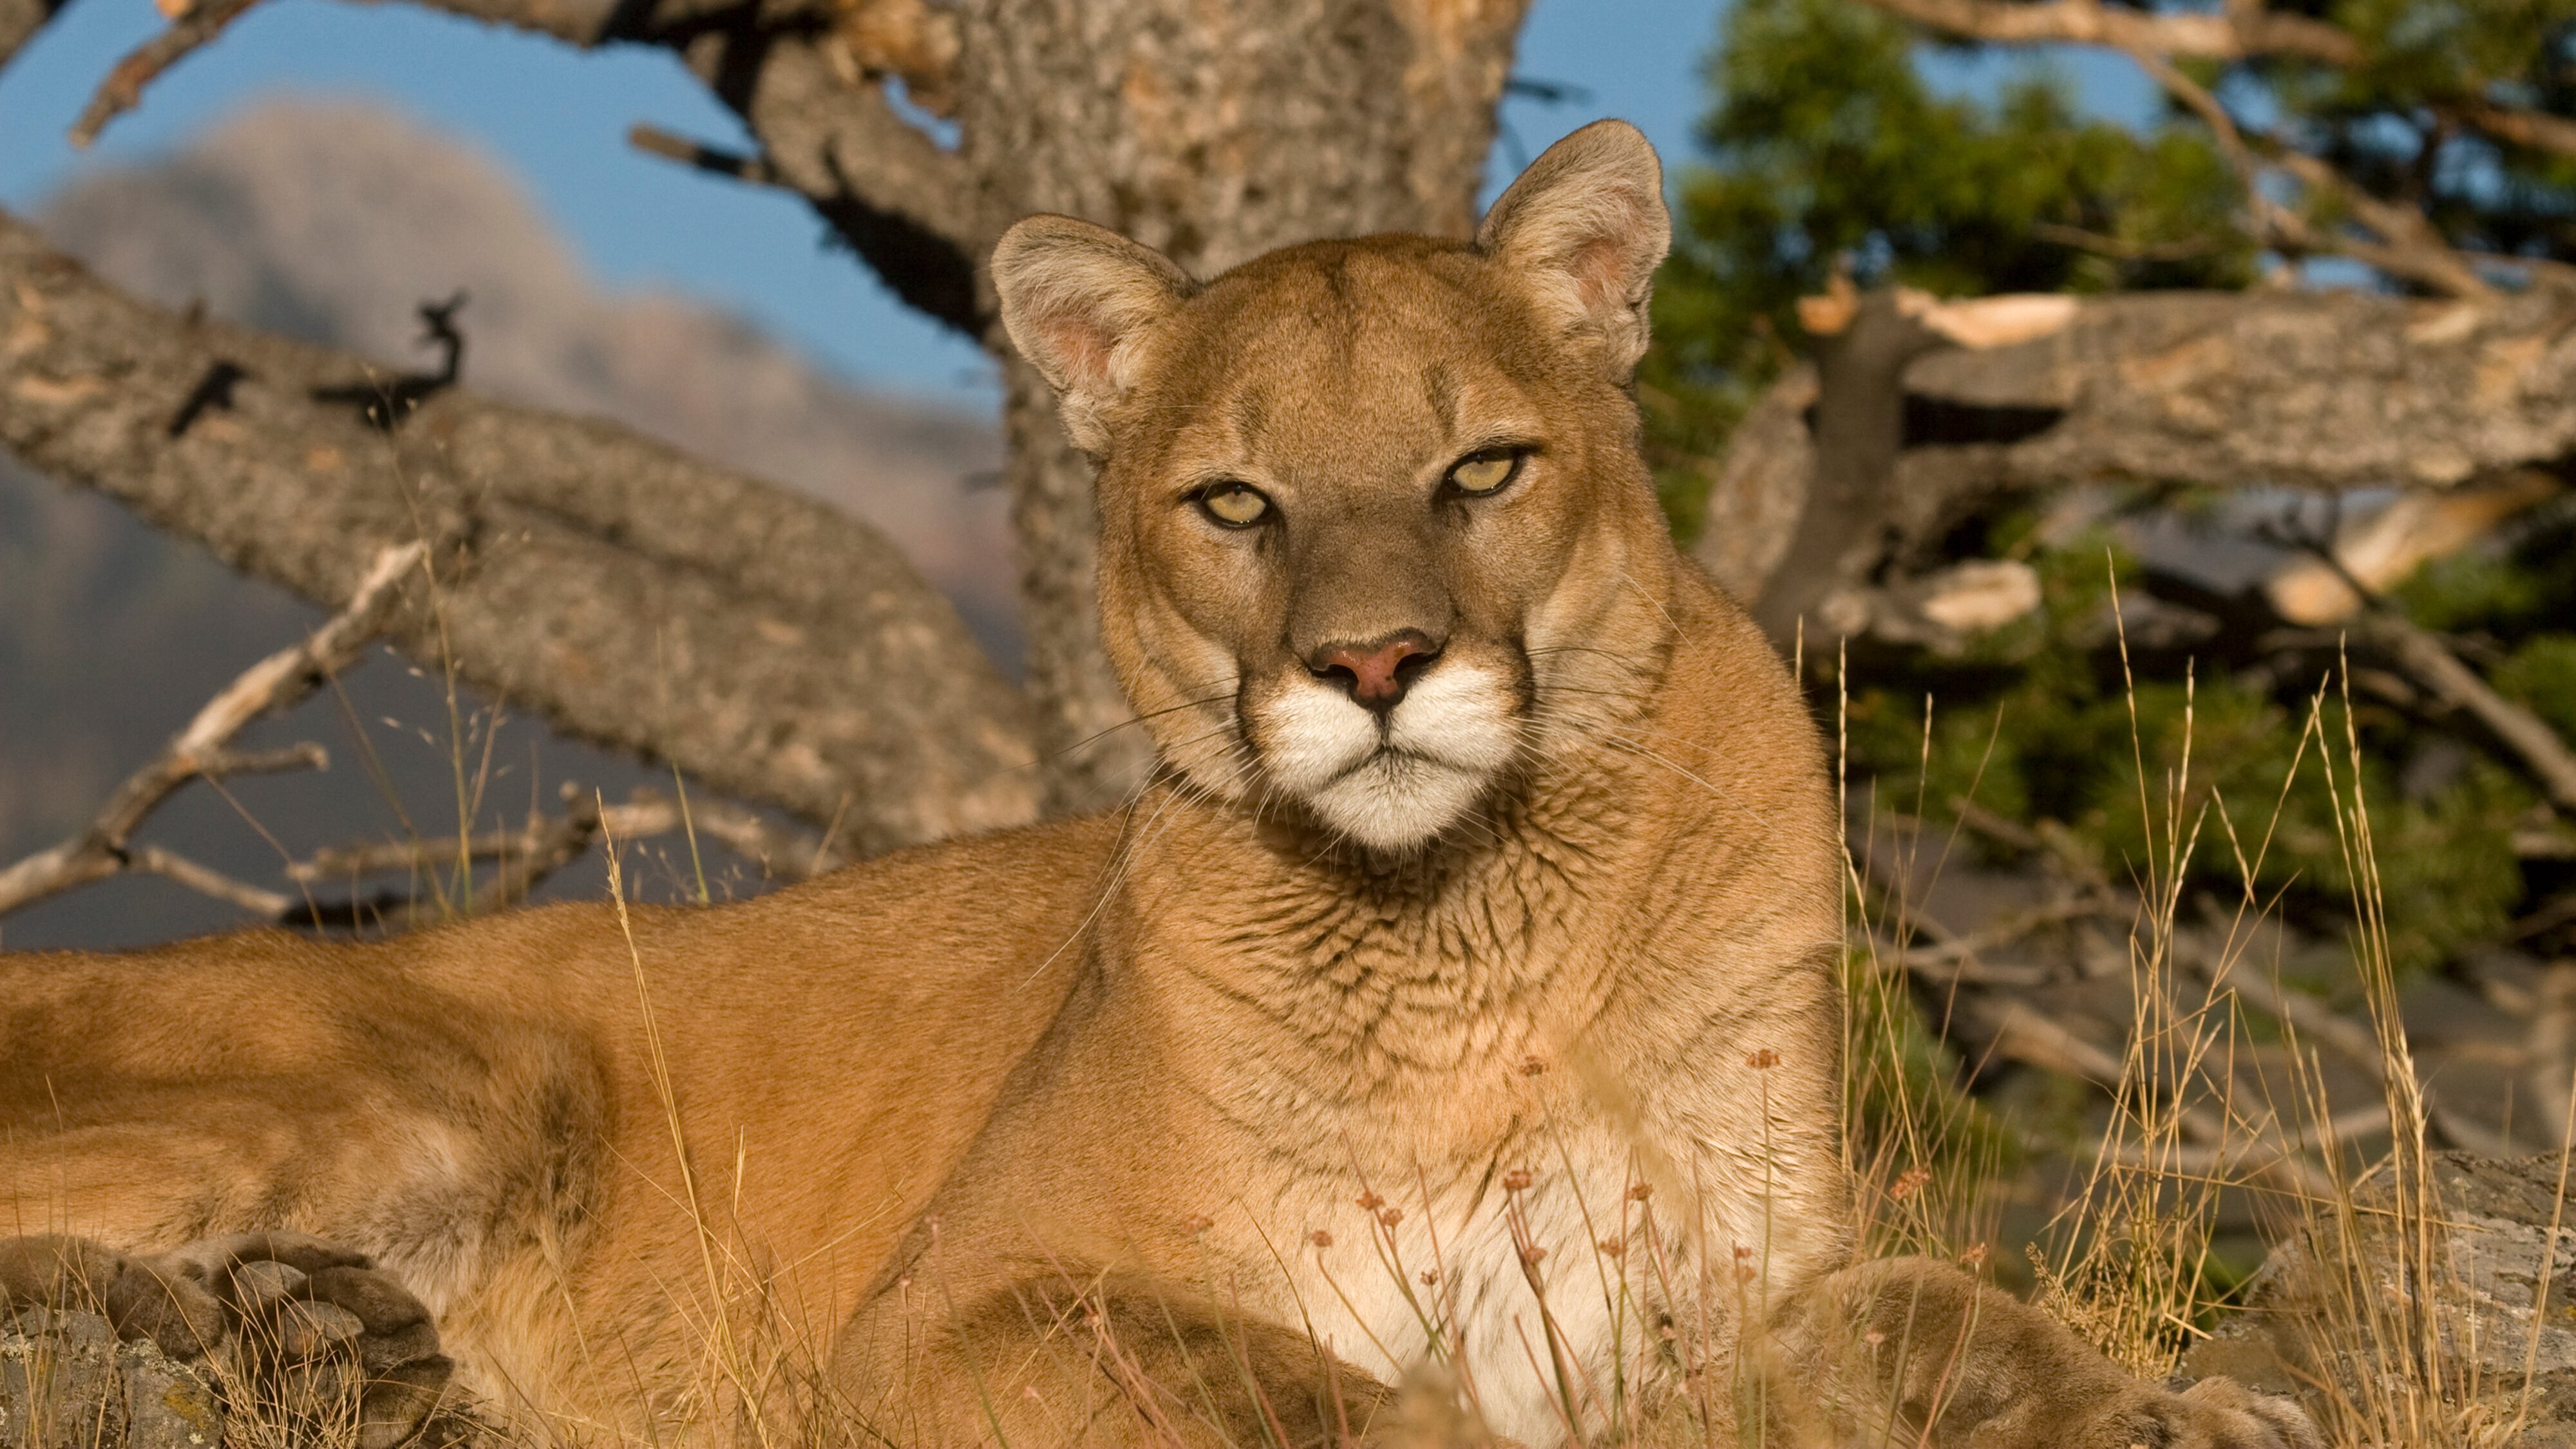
(1913, 1350)
(1099, 1362)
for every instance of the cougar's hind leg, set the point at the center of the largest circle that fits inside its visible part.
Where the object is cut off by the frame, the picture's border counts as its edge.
(1103, 1363)
(445, 1155)
(1918, 1349)
(155, 1100)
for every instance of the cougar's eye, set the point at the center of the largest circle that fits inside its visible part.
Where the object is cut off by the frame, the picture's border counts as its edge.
(1236, 505)
(1484, 472)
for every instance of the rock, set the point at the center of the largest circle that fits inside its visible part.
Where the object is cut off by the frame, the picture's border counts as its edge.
(167, 1405)
(2335, 1310)
(66, 1383)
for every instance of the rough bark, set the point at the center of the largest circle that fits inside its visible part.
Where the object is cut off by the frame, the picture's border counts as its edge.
(1859, 429)
(2325, 390)
(1758, 490)
(766, 644)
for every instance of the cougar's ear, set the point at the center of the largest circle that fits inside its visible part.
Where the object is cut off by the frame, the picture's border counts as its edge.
(1075, 299)
(1585, 228)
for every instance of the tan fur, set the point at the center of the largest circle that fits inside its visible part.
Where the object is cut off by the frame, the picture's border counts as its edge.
(1526, 1024)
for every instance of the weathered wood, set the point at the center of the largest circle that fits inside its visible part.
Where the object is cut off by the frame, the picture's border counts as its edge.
(2324, 390)
(767, 644)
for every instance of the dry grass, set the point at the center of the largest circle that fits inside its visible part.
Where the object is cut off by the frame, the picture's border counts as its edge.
(2126, 1261)
(2384, 1338)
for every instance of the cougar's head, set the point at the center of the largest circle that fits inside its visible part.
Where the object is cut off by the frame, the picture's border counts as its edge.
(1374, 536)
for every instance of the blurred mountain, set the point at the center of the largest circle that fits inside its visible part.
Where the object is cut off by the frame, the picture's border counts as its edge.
(332, 222)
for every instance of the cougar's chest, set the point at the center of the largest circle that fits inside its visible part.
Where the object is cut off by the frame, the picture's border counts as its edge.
(1524, 1266)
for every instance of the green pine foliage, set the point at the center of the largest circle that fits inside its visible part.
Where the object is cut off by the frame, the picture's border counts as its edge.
(2395, 124)
(1824, 147)
(2043, 724)
(1824, 143)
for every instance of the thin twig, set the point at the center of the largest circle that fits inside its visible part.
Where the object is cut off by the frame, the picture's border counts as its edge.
(207, 881)
(2312, 1018)
(123, 88)
(2121, 248)
(2410, 246)
(2433, 665)
(1958, 954)
(2241, 33)
(2553, 913)
(755, 170)
(203, 750)
(527, 857)
(2023, 1035)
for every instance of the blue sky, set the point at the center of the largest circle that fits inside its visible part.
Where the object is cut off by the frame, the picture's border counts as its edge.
(558, 118)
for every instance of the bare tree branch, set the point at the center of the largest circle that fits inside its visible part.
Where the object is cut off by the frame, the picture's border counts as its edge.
(2016, 1032)
(2410, 247)
(123, 89)
(2349, 1039)
(2302, 389)
(768, 645)
(2239, 33)
(204, 748)
(2538, 130)
(19, 22)
(207, 881)
(2123, 249)
(526, 858)
(789, 854)
(653, 140)
(2430, 663)
(2322, 390)
(915, 213)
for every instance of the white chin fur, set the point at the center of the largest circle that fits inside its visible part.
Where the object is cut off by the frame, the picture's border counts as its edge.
(1397, 789)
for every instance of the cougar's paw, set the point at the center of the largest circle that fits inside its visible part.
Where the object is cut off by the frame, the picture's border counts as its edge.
(397, 1348)
(2215, 1413)
(315, 1323)
(140, 1297)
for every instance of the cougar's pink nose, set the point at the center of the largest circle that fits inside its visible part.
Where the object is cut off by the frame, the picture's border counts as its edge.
(1376, 673)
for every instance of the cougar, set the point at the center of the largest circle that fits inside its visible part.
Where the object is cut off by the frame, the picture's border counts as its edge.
(1445, 1043)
